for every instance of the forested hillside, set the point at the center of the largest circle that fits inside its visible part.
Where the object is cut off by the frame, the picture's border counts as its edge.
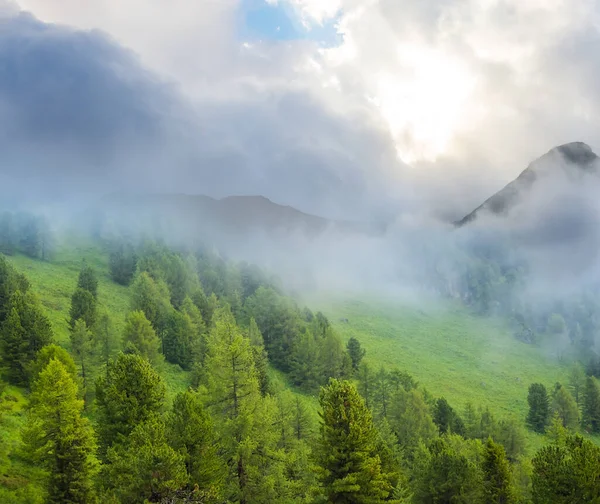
(137, 372)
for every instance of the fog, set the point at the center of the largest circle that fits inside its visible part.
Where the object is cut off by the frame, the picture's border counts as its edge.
(83, 118)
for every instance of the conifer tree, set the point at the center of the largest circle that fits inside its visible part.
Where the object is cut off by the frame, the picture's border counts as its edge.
(565, 407)
(497, 476)
(105, 339)
(139, 333)
(539, 407)
(144, 467)
(245, 419)
(83, 306)
(81, 344)
(261, 359)
(382, 391)
(577, 380)
(151, 297)
(191, 433)
(22, 335)
(356, 352)
(180, 340)
(591, 405)
(87, 280)
(349, 466)
(305, 370)
(48, 353)
(59, 438)
(130, 393)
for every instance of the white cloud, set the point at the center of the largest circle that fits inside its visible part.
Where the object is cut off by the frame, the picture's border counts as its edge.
(469, 90)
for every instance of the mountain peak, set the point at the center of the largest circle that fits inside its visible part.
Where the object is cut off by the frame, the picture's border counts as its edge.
(577, 153)
(574, 159)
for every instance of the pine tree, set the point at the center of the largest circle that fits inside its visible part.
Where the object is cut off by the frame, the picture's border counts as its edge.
(577, 382)
(334, 360)
(567, 474)
(14, 347)
(497, 476)
(447, 419)
(180, 340)
(245, 419)
(22, 335)
(83, 306)
(591, 405)
(366, 383)
(81, 344)
(139, 333)
(356, 352)
(539, 407)
(130, 393)
(382, 392)
(350, 469)
(191, 433)
(48, 353)
(59, 438)
(565, 406)
(305, 370)
(105, 339)
(151, 297)
(87, 280)
(261, 359)
(122, 264)
(144, 467)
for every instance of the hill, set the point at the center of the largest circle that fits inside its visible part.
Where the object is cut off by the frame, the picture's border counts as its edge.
(233, 216)
(571, 161)
(450, 352)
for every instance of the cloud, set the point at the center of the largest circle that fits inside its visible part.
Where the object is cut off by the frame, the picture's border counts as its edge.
(81, 114)
(467, 91)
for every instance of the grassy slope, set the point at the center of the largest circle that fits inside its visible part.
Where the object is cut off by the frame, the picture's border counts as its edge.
(451, 353)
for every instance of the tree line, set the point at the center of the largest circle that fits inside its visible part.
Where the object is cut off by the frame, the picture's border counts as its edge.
(103, 427)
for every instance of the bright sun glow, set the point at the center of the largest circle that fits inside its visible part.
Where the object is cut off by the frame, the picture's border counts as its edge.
(424, 106)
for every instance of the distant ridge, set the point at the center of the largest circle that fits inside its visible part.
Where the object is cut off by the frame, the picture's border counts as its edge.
(236, 214)
(575, 159)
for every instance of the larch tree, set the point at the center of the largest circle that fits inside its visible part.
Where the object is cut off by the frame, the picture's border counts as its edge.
(130, 393)
(497, 476)
(59, 438)
(88, 280)
(81, 344)
(539, 407)
(139, 333)
(349, 466)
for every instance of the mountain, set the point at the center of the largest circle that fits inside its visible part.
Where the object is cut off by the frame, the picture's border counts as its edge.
(565, 165)
(233, 216)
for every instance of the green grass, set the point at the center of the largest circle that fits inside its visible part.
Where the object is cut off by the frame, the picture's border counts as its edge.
(54, 282)
(450, 352)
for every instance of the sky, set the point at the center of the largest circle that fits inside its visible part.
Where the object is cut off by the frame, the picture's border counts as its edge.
(345, 108)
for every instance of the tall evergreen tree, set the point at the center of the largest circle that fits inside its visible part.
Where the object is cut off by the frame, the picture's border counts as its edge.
(497, 476)
(577, 380)
(83, 306)
(151, 297)
(139, 333)
(539, 407)
(22, 335)
(191, 433)
(591, 405)
(245, 419)
(48, 353)
(181, 342)
(59, 438)
(105, 339)
(356, 352)
(565, 407)
(87, 280)
(350, 468)
(81, 344)
(122, 264)
(144, 468)
(567, 474)
(130, 393)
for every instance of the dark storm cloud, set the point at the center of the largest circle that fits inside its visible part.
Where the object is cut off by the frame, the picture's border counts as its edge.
(80, 115)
